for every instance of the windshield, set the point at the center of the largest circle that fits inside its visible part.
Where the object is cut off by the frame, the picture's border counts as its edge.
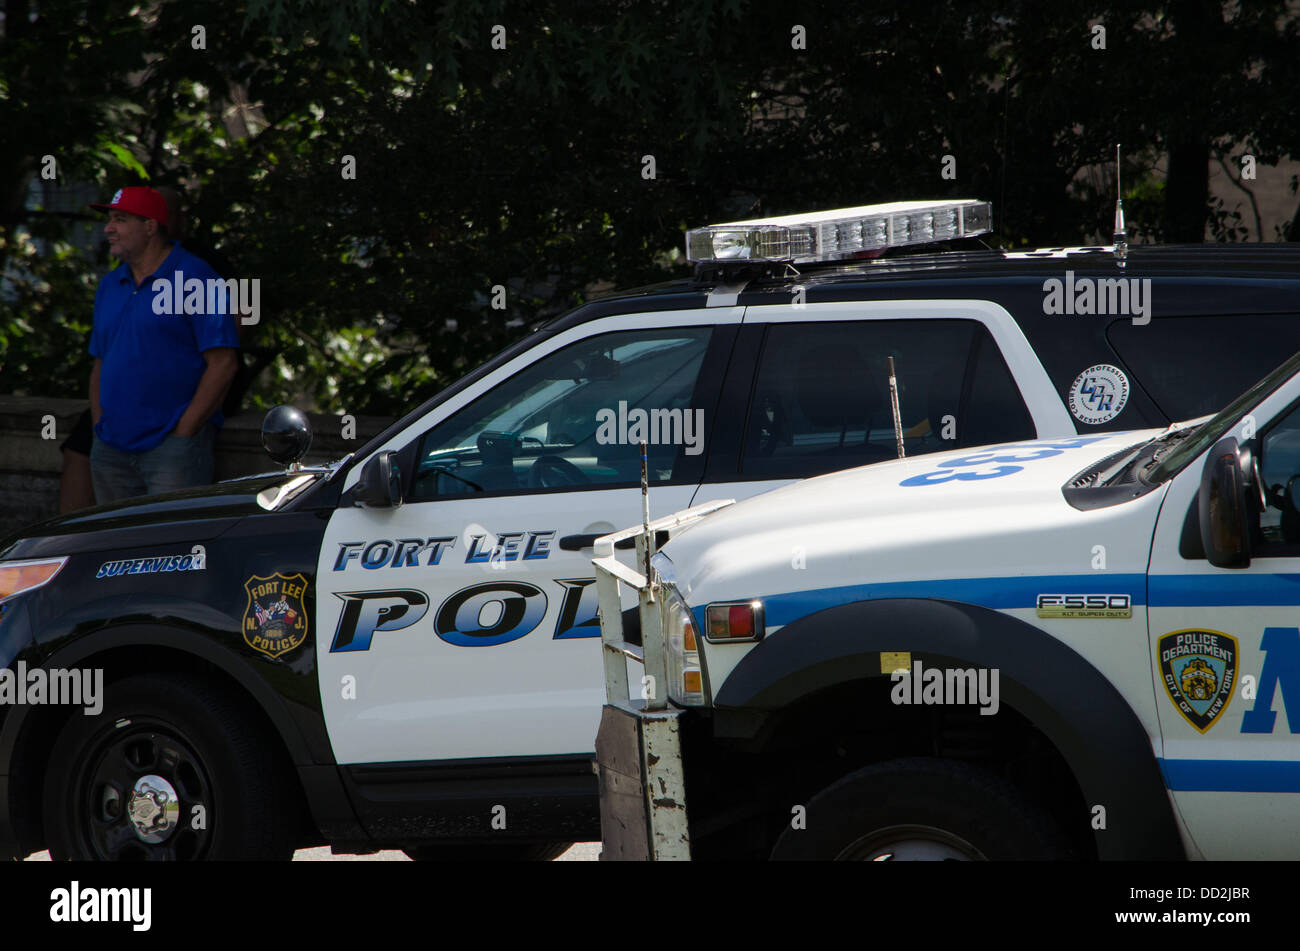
(1212, 431)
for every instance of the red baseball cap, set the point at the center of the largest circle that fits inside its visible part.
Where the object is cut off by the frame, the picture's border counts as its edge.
(138, 200)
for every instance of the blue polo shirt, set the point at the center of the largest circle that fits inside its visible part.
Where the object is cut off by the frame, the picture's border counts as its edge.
(152, 362)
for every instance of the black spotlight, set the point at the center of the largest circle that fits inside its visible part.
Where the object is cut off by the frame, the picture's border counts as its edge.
(286, 434)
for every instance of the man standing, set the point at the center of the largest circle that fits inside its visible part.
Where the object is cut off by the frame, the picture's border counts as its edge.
(159, 375)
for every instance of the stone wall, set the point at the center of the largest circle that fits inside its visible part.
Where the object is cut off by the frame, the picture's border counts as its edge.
(30, 464)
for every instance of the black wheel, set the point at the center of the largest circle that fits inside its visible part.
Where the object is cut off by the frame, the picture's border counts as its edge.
(922, 810)
(170, 770)
(488, 852)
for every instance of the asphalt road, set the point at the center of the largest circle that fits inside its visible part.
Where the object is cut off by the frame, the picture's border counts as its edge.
(581, 852)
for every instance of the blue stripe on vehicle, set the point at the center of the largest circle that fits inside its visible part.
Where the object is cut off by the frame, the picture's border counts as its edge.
(1004, 594)
(1001, 594)
(1178, 591)
(1224, 775)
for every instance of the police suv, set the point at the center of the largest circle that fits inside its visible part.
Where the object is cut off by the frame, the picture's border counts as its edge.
(1065, 647)
(400, 649)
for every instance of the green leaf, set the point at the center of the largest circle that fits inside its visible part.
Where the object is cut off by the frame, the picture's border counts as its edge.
(127, 160)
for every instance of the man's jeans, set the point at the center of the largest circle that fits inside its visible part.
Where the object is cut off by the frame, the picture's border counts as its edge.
(179, 462)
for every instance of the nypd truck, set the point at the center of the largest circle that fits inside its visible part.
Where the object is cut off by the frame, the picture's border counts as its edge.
(1083, 647)
(401, 649)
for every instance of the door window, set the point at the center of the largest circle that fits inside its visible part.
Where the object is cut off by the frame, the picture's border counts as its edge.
(821, 399)
(1193, 366)
(574, 420)
(1279, 467)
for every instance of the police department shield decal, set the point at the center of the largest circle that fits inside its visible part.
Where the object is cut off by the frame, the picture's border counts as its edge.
(275, 620)
(1199, 671)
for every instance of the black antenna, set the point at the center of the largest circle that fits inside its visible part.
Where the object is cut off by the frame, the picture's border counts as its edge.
(1121, 236)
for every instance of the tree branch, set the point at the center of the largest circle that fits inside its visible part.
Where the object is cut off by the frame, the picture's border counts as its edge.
(1254, 205)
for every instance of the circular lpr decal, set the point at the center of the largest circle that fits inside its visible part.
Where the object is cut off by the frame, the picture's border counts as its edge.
(1098, 394)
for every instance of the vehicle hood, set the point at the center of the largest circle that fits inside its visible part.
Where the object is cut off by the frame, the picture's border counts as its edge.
(194, 514)
(905, 520)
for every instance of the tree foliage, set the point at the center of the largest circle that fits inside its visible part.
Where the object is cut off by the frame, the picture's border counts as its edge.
(525, 167)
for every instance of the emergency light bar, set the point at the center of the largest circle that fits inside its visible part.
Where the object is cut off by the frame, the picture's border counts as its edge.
(840, 233)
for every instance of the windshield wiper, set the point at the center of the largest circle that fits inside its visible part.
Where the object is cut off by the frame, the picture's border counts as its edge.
(1128, 465)
(1168, 441)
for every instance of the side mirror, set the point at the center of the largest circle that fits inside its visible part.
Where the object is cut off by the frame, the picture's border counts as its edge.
(380, 485)
(1225, 529)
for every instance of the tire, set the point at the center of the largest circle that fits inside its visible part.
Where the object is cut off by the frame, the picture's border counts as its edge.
(487, 852)
(159, 739)
(922, 810)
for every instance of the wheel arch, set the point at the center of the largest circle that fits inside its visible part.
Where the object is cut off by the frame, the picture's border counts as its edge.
(121, 651)
(1056, 690)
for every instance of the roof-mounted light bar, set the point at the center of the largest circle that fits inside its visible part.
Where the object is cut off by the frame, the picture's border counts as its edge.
(841, 233)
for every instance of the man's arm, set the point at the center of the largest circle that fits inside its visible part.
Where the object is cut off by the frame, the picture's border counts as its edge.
(222, 363)
(96, 410)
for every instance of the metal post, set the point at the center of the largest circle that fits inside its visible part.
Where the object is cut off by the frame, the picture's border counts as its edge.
(893, 404)
(647, 550)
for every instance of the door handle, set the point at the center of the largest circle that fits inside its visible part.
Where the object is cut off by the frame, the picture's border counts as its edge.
(580, 542)
(577, 542)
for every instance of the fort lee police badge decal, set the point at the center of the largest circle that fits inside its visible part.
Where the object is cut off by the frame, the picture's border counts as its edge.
(1199, 670)
(275, 621)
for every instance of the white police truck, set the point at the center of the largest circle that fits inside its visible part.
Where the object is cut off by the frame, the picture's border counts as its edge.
(1081, 647)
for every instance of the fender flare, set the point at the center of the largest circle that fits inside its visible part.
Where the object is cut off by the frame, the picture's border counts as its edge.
(179, 639)
(1050, 684)
(327, 799)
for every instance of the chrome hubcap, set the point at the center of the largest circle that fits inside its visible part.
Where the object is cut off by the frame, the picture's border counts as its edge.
(911, 843)
(153, 809)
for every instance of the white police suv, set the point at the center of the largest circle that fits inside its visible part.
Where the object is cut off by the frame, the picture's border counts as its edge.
(1086, 646)
(399, 650)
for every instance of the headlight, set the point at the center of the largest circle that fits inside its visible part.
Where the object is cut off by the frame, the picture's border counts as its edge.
(685, 673)
(17, 577)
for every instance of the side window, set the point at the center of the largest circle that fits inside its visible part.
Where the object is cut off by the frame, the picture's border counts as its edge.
(574, 419)
(1193, 366)
(1279, 468)
(821, 398)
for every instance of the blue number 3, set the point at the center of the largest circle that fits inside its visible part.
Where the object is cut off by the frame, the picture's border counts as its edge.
(934, 478)
(1001, 454)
